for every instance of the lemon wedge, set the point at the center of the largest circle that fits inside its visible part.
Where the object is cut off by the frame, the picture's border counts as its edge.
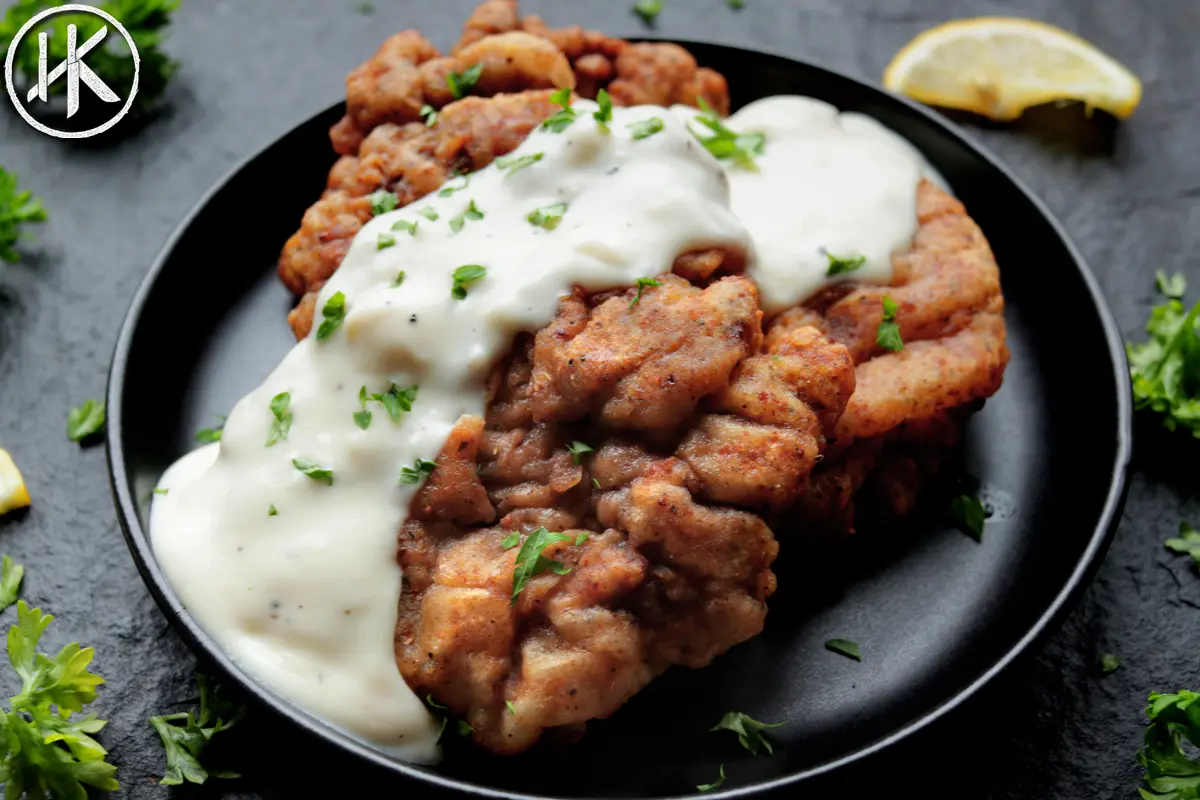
(13, 494)
(1000, 66)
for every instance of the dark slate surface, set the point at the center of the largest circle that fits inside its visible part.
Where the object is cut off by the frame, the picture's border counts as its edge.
(1051, 728)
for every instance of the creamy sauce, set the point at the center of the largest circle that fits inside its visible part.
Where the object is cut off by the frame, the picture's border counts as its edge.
(827, 182)
(306, 599)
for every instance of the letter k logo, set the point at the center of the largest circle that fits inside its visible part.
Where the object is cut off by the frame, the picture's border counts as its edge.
(75, 70)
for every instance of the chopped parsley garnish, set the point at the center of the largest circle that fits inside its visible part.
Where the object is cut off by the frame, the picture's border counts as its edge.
(1166, 370)
(645, 127)
(1171, 773)
(642, 283)
(16, 209)
(395, 401)
(208, 435)
(547, 217)
(48, 750)
(471, 212)
(648, 10)
(399, 280)
(384, 241)
(86, 420)
(185, 743)
(314, 471)
(749, 731)
(531, 562)
(419, 471)
(464, 728)
(272, 511)
(405, 225)
(160, 490)
(448, 190)
(560, 120)
(429, 114)
(429, 213)
(708, 787)
(11, 574)
(463, 276)
(382, 202)
(844, 647)
(969, 515)
(1109, 663)
(511, 541)
(511, 708)
(462, 82)
(839, 265)
(281, 410)
(362, 417)
(741, 148)
(581, 538)
(578, 450)
(736, 4)
(888, 334)
(334, 313)
(603, 115)
(596, 483)
(513, 163)
(1187, 543)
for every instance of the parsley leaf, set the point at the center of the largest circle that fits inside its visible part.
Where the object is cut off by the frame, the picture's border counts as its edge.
(208, 435)
(648, 10)
(314, 471)
(547, 217)
(362, 417)
(839, 265)
(429, 213)
(145, 20)
(581, 538)
(969, 515)
(462, 82)
(405, 225)
(10, 582)
(47, 751)
(448, 190)
(888, 334)
(1187, 543)
(844, 647)
(272, 511)
(399, 280)
(644, 128)
(16, 209)
(741, 148)
(511, 541)
(1166, 370)
(429, 114)
(334, 313)
(749, 731)
(396, 401)
(85, 421)
(708, 787)
(513, 163)
(530, 560)
(578, 450)
(1170, 773)
(471, 212)
(642, 283)
(185, 743)
(562, 119)
(382, 202)
(419, 471)
(464, 275)
(1173, 287)
(603, 115)
(1109, 663)
(282, 424)
(384, 241)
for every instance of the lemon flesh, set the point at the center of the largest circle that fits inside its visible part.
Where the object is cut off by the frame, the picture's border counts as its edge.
(13, 494)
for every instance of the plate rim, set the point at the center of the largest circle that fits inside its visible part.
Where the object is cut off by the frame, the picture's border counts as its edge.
(207, 649)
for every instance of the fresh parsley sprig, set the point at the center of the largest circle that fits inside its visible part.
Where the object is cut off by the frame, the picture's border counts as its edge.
(530, 560)
(11, 574)
(16, 209)
(86, 420)
(1166, 370)
(185, 743)
(1170, 773)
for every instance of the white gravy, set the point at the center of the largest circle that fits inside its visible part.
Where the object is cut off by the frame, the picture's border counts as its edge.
(306, 600)
(831, 182)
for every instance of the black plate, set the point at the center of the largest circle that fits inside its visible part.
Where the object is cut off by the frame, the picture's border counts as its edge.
(937, 614)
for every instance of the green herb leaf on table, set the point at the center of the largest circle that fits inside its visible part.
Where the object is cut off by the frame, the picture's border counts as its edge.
(1188, 542)
(1166, 369)
(1174, 286)
(1170, 773)
(463, 277)
(969, 515)
(531, 562)
(185, 737)
(844, 647)
(334, 314)
(645, 128)
(648, 10)
(561, 119)
(313, 470)
(429, 114)
(16, 209)
(86, 420)
(888, 334)
(281, 425)
(419, 471)
(708, 787)
(749, 731)
(578, 450)
(741, 148)
(547, 217)
(1109, 663)
(471, 212)
(642, 284)
(461, 83)
(11, 575)
(46, 750)
(840, 265)
(382, 201)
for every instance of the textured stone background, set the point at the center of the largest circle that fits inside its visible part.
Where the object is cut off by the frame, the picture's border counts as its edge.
(1051, 728)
